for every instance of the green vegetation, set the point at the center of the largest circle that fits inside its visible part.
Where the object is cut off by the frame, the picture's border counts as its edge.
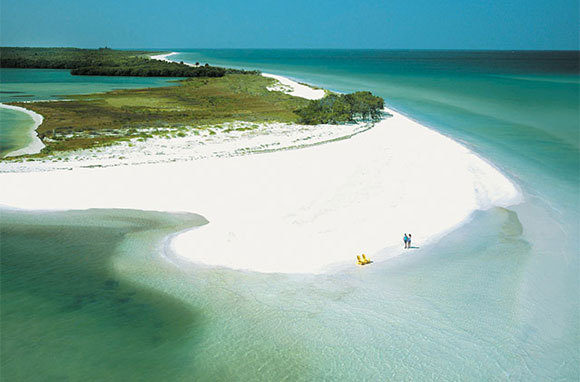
(100, 119)
(341, 108)
(105, 62)
(212, 96)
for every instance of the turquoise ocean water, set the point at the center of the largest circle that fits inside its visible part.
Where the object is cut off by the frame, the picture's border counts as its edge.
(496, 299)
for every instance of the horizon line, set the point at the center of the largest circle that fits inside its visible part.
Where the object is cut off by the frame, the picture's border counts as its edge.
(361, 49)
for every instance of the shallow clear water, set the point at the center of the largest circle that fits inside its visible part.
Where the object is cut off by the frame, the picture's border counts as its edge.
(66, 315)
(496, 299)
(14, 130)
(20, 85)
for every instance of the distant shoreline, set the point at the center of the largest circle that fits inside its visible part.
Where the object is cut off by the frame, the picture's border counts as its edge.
(58, 140)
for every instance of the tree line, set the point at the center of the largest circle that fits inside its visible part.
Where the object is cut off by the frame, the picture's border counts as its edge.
(105, 62)
(342, 108)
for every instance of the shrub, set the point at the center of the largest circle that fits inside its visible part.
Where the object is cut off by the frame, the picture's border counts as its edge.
(342, 108)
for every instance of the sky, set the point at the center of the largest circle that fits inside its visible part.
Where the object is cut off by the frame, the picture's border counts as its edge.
(364, 24)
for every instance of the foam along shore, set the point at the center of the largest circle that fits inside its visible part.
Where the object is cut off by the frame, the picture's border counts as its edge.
(35, 144)
(293, 211)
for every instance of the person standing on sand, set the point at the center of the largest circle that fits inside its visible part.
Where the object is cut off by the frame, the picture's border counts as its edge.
(409, 241)
(406, 240)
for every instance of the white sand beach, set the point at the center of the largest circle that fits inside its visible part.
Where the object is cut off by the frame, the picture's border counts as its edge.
(294, 88)
(35, 144)
(306, 210)
(309, 210)
(163, 57)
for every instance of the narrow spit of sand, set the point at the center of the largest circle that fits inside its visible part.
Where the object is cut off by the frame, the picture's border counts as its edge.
(163, 57)
(299, 211)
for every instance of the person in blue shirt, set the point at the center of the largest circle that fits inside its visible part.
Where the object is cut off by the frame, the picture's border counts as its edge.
(406, 241)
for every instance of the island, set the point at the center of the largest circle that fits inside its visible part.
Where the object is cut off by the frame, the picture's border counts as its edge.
(208, 98)
(283, 172)
(105, 62)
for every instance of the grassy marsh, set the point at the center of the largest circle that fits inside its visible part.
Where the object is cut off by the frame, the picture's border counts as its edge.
(93, 120)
